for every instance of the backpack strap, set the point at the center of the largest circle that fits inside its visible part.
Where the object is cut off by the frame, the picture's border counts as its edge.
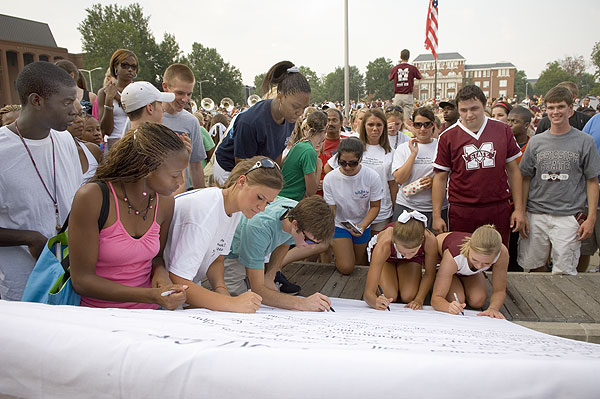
(105, 204)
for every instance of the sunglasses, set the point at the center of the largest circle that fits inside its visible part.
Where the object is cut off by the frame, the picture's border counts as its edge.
(352, 164)
(419, 125)
(125, 65)
(394, 108)
(308, 240)
(263, 163)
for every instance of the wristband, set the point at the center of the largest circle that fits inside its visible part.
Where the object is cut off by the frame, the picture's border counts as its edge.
(108, 106)
(220, 286)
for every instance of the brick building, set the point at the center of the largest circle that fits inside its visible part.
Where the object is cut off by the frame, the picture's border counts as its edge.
(495, 80)
(21, 42)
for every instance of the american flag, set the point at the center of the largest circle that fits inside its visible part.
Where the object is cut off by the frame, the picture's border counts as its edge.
(431, 29)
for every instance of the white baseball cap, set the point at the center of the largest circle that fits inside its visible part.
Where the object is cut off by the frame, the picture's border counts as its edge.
(139, 94)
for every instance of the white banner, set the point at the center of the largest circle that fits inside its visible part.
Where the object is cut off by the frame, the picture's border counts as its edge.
(355, 352)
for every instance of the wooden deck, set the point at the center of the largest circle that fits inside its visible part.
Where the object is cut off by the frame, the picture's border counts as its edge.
(568, 306)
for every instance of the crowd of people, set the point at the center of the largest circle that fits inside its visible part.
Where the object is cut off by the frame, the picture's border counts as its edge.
(428, 195)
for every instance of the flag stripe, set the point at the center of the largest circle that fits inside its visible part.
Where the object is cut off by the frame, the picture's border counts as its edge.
(431, 28)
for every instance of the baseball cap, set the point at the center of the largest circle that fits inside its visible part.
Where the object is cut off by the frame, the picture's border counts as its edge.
(451, 103)
(328, 105)
(139, 94)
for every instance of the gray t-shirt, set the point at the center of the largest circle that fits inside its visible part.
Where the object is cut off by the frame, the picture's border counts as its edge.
(184, 122)
(559, 166)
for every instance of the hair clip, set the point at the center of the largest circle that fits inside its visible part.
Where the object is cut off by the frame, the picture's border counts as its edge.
(293, 69)
(406, 216)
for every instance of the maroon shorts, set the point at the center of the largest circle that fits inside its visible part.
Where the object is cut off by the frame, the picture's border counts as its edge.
(467, 218)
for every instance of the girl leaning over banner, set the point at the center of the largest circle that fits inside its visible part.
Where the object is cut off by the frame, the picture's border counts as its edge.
(397, 256)
(121, 265)
(465, 257)
(203, 227)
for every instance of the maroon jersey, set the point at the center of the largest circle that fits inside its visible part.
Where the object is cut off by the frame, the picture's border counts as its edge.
(477, 162)
(404, 76)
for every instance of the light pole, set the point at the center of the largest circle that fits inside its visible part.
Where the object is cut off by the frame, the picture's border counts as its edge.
(200, 84)
(90, 76)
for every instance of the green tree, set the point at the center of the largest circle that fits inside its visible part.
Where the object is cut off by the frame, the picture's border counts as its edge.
(586, 84)
(224, 79)
(551, 76)
(376, 78)
(596, 59)
(258, 81)
(520, 84)
(333, 84)
(316, 85)
(108, 28)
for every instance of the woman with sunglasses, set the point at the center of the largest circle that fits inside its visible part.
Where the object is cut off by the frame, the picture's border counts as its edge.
(413, 168)
(265, 128)
(202, 230)
(378, 156)
(123, 69)
(354, 193)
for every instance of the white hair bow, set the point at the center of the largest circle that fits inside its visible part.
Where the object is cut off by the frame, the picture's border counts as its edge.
(293, 69)
(406, 216)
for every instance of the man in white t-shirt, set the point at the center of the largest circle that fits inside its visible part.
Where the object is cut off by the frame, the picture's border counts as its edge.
(40, 172)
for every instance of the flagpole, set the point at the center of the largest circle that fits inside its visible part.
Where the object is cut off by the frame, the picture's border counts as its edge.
(435, 84)
(346, 64)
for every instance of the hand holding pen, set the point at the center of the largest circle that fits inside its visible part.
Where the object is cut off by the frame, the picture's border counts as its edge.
(456, 307)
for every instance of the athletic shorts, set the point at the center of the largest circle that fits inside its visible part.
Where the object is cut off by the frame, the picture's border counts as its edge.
(467, 218)
(343, 233)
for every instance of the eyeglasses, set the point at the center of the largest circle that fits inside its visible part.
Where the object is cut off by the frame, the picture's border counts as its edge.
(308, 240)
(394, 108)
(125, 65)
(263, 163)
(419, 125)
(352, 164)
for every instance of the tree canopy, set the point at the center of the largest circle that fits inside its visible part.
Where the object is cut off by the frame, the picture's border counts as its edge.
(376, 78)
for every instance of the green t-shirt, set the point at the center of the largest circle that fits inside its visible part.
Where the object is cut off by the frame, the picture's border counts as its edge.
(208, 142)
(256, 238)
(300, 161)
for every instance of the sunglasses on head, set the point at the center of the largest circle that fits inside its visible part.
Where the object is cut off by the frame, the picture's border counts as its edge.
(125, 65)
(394, 108)
(419, 125)
(352, 164)
(263, 163)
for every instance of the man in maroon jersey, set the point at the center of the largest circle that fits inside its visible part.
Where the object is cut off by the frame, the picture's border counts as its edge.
(482, 155)
(404, 75)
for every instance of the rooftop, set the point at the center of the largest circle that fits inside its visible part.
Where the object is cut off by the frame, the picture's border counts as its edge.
(489, 66)
(441, 57)
(26, 31)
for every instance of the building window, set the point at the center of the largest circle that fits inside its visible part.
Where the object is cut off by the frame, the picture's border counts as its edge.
(478, 84)
(486, 84)
(502, 93)
(486, 93)
(503, 83)
(424, 86)
(451, 85)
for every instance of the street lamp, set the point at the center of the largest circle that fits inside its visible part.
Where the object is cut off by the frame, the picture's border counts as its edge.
(200, 84)
(90, 76)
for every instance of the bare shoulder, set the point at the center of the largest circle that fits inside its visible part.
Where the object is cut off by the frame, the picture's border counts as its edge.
(95, 150)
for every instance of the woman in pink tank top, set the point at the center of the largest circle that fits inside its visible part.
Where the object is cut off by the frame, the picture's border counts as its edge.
(121, 266)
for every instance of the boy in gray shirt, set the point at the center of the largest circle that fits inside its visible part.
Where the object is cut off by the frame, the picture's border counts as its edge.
(559, 167)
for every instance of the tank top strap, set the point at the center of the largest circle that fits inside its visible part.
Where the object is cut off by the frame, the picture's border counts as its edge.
(116, 200)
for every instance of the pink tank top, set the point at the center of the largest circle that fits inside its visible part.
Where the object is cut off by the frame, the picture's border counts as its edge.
(126, 260)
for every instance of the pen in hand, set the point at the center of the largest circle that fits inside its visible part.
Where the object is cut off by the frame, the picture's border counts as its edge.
(381, 293)
(456, 298)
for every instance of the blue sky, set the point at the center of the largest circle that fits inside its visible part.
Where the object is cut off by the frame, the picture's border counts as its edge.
(253, 35)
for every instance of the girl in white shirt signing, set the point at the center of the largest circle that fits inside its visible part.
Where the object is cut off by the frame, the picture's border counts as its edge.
(203, 227)
(354, 194)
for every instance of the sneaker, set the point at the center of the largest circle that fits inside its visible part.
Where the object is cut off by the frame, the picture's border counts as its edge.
(285, 286)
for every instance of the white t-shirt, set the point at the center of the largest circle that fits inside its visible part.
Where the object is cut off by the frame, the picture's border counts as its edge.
(375, 158)
(200, 232)
(25, 204)
(398, 139)
(422, 167)
(351, 194)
